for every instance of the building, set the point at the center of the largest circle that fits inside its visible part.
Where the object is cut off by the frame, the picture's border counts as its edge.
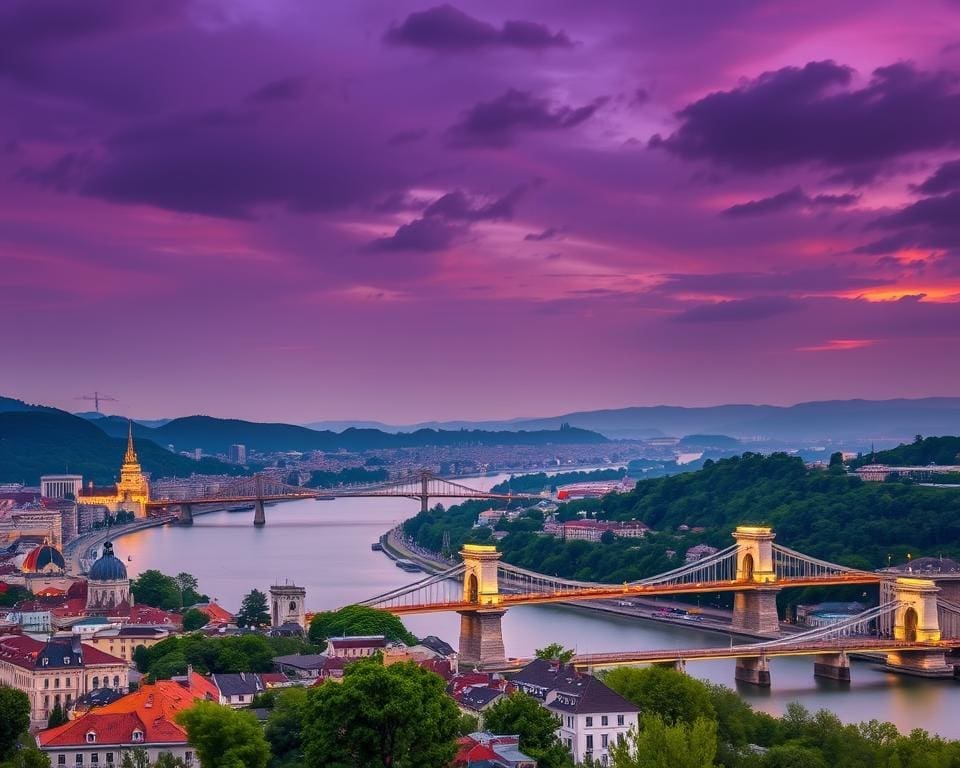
(287, 606)
(56, 672)
(131, 493)
(238, 454)
(43, 559)
(356, 647)
(877, 473)
(108, 588)
(302, 666)
(238, 689)
(144, 719)
(475, 692)
(593, 530)
(123, 640)
(60, 486)
(592, 490)
(592, 716)
(486, 750)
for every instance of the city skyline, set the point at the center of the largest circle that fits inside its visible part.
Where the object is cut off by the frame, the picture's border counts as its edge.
(418, 211)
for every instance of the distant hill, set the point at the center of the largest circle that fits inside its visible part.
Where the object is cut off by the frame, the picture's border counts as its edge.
(929, 450)
(838, 420)
(48, 441)
(216, 435)
(12, 405)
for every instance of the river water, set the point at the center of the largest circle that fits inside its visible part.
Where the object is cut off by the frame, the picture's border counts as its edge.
(324, 546)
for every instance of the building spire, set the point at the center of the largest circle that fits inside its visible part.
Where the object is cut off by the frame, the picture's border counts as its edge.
(131, 455)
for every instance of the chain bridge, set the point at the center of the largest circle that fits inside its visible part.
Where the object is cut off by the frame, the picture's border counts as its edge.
(905, 628)
(260, 489)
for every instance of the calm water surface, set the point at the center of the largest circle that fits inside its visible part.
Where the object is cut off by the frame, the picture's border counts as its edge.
(324, 546)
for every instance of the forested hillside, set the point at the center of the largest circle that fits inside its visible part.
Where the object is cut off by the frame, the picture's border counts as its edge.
(827, 514)
(33, 443)
(922, 451)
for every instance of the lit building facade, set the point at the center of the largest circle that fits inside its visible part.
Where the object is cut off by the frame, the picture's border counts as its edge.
(132, 492)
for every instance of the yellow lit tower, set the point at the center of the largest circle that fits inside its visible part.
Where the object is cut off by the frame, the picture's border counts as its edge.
(133, 488)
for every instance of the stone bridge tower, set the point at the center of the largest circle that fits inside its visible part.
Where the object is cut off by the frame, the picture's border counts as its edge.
(755, 610)
(481, 635)
(916, 620)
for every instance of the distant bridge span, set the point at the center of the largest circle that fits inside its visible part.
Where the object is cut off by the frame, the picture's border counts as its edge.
(260, 489)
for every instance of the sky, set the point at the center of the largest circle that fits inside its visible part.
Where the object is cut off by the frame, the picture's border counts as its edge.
(405, 211)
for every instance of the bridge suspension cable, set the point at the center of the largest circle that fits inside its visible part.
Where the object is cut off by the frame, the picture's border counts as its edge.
(788, 563)
(720, 566)
(436, 589)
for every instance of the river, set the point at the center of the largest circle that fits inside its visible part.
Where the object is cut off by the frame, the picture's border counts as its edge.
(324, 546)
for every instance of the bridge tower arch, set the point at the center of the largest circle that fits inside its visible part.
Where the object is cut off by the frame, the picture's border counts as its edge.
(916, 619)
(755, 608)
(481, 634)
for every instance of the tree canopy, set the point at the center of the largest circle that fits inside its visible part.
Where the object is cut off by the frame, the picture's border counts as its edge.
(397, 716)
(521, 714)
(253, 610)
(224, 737)
(14, 718)
(358, 620)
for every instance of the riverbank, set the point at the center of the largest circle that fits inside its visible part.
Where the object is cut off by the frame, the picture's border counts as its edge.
(79, 549)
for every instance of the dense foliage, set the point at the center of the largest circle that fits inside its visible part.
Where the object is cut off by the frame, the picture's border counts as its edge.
(358, 620)
(243, 653)
(522, 715)
(541, 481)
(827, 514)
(33, 443)
(14, 718)
(922, 451)
(167, 592)
(397, 716)
(799, 739)
(224, 737)
(11, 594)
(322, 478)
(254, 611)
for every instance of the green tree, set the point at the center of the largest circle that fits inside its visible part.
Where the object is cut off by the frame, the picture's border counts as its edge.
(521, 714)
(396, 717)
(194, 619)
(660, 745)
(554, 651)
(188, 585)
(358, 620)
(29, 757)
(14, 718)
(57, 716)
(157, 589)
(224, 737)
(135, 758)
(793, 756)
(253, 610)
(285, 724)
(674, 696)
(167, 760)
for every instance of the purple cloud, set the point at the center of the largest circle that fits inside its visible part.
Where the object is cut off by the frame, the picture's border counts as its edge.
(945, 179)
(448, 29)
(446, 219)
(810, 115)
(495, 123)
(933, 222)
(739, 310)
(790, 200)
(538, 237)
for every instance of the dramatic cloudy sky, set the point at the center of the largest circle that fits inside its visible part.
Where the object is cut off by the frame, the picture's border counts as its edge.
(396, 210)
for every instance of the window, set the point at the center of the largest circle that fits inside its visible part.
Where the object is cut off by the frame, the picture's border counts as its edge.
(116, 681)
(96, 681)
(91, 737)
(46, 683)
(46, 702)
(109, 758)
(589, 741)
(604, 741)
(95, 758)
(619, 719)
(603, 720)
(66, 660)
(61, 759)
(79, 759)
(589, 722)
(56, 682)
(569, 721)
(137, 735)
(621, 738)
(188, 757)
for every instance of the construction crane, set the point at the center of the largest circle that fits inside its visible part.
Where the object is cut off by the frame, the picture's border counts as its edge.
(97, 397)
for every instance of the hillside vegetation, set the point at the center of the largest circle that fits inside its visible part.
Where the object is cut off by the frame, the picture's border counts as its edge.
(923, 451)
(827, 514)
(34, 443)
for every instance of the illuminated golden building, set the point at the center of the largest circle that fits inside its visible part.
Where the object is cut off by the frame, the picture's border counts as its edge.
(132, 492)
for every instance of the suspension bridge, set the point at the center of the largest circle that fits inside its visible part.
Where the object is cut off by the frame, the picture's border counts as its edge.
(905, 628)
(261, 489)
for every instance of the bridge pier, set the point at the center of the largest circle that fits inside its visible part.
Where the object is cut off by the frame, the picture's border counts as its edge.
(833, 666)
(678, 665)
(755, 612)
(186, 514)
(481, 638)
(259, 518)
(754, 671)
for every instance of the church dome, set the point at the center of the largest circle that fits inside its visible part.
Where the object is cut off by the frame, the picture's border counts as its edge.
(109, 567)
(41, 558)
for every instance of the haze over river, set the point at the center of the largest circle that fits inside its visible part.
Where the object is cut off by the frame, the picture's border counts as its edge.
(325, 547)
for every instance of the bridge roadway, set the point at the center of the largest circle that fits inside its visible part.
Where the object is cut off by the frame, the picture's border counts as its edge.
(833, 646)
(507, 599)
(328, 493)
